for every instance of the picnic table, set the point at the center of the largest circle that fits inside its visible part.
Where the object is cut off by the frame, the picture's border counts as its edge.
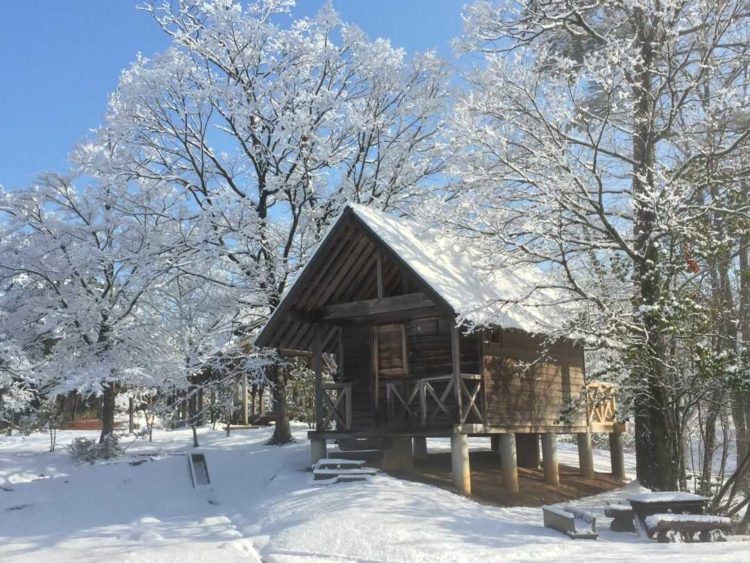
(670, 502)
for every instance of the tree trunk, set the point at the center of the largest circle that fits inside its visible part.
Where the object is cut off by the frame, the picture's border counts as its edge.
(740, 398)
(709, 441)
(282, 432)
(657, 451)
(131, 425)
(108, 410)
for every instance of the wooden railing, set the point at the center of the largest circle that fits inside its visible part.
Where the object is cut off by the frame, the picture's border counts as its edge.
(601, 406)
(337, 406)
(428, 401)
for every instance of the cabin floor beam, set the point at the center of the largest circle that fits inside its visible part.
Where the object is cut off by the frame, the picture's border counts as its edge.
(460, 463)
(549, 455)
(585, 455)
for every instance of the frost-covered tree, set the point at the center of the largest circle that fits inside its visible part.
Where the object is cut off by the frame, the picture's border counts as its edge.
(268, 126)
(76, 263)
(585, 137)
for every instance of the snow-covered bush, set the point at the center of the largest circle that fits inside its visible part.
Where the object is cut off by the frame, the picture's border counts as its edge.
(83, 450)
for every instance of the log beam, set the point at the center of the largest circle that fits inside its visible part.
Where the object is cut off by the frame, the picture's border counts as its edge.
(365, 309)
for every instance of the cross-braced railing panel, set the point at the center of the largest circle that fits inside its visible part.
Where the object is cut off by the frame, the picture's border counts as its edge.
(337, 406)
(472, 399)
(430, 401)
(400, 400)
(602, 407)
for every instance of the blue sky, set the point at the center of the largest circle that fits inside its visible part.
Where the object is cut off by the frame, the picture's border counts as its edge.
(59, 61)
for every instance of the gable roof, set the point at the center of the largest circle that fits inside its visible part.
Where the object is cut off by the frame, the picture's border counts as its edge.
(507, 298)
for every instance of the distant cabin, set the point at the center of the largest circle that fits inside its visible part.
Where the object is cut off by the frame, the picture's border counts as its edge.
(425, 345)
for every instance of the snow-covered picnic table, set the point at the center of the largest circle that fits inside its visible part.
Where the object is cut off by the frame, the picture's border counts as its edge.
(668, 502)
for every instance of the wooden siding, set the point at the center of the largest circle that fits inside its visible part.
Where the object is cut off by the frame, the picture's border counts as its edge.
(524, 388)
(428, 345)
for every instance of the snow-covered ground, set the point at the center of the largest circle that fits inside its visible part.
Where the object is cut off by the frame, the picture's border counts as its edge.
(264, 506)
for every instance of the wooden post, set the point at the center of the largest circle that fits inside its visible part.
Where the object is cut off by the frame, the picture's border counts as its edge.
(318, 368)
(317, 450)
(549, 455)
(585, 455)
(420, 448)
(456, 368)
(379, 273)
(508, 464)
(460, 463)
(617, 455)
(245, 419)
(528, 450)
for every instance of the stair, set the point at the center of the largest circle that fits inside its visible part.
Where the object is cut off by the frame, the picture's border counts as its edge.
(336, 470)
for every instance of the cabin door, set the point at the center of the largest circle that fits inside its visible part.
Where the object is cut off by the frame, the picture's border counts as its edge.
(390, 363)
(356, 347)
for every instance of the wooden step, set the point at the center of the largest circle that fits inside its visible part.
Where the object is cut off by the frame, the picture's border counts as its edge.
(344, 475)
(340, 470)
(338, 463)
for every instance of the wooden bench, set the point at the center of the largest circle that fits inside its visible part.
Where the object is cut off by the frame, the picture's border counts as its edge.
(675, 527)
(575, 523)
(622, 517)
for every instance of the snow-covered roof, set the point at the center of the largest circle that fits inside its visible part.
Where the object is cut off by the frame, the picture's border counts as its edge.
(512, 297)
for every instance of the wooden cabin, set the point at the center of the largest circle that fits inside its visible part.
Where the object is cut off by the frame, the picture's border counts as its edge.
(426, 345)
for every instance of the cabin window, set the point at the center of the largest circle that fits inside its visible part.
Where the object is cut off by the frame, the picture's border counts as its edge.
(390, 349)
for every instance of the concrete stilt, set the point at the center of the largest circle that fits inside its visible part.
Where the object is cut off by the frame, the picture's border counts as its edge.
(527, 447)
(585, 455)
(495, 443)
(508, 465)
(317, 450)
(420, 448)
(617, 455)
(460, 461)
(399, 456)
(549, 453)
